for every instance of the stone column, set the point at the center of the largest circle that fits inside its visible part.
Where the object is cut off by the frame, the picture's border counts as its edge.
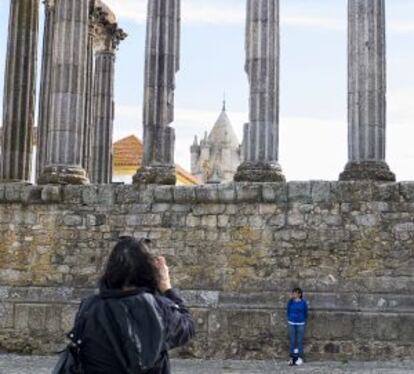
(261, 134)
(44, 95)
(20, 91)
(67, 94)
(103, 99)
(366, 92)
(86, 151)
(161, 65)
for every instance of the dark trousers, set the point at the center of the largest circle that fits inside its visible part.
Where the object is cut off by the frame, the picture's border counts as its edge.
(296, 335)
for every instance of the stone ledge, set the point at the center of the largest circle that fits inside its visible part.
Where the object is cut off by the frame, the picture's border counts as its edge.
(306, 192)
(338, 301)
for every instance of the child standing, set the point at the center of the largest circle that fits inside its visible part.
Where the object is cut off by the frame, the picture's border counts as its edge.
(297, 315)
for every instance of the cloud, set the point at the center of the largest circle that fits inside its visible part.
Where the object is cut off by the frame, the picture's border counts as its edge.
(401, 27)
(232, 12)
(214, 12)
(314, 22)
(200, 12)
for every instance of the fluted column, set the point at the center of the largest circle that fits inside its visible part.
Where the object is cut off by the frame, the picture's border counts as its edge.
(161, 65)
(89, 106)
(19, 91)
(101, 155)
(67, 94)
(44, 95)
(366, 92)
(261, 134)
(103, 98)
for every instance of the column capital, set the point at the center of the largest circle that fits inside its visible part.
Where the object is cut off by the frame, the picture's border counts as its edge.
(49, 4)
(104, 29)
(108, 37)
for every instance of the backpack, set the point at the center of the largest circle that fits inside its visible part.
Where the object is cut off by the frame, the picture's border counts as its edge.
(69, 360)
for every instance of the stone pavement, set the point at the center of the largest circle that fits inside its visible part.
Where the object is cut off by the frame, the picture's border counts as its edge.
(12, 364)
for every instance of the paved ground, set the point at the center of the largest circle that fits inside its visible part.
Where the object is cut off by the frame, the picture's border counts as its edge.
(11, 364)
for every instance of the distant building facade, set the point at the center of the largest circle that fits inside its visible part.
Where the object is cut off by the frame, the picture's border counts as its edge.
(128, 153)
(216, 158)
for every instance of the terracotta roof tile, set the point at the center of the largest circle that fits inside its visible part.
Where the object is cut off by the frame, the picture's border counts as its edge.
(128, 152)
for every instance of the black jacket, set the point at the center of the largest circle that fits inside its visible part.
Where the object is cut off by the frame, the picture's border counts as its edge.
(123, 331)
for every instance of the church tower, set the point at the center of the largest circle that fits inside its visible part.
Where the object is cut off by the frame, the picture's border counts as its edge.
(216, 158)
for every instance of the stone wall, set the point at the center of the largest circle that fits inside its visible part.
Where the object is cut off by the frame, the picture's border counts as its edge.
(234, 249)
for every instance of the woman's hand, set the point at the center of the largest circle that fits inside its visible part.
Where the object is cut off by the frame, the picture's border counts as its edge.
(164, 282)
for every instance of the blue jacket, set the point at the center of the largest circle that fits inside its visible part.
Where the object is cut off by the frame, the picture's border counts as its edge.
(297, 312)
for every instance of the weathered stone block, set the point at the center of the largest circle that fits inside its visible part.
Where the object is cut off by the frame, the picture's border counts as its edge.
(95, 219)
(21, 317)
(248, 192)
(207, 194)
(52, 194)
(352, 191)
(222, 220)
(6, 315)
(300, 192)
(173, 220)
(126, 194)
(2, 193)
(227, 192)
(24, 217)
(386, 192)
(202, 209)
(90, 195)
(31, 195)
(321, 191)
(143, 219)
(68, 316)
(53, 316)
(275, 192)
(72, 194)
(164, 194)
(209, 221)
(278, 220)
(160, 207)
(366, 219)
(201, 299)
(12, 192)
(193, 221)
(106, 194)
(184, 194)
(407, 190)
(72, 220)
(295, 218)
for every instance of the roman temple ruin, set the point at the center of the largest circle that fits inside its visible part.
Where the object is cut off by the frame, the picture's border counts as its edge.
(235, 249)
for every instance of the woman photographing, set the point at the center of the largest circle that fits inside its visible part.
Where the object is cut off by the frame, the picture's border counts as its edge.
(136, 317)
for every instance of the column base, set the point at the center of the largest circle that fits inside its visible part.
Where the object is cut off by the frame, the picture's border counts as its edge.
(162, 175)
(367, 170)
(16, 181)
(63, 174)
(250, 171)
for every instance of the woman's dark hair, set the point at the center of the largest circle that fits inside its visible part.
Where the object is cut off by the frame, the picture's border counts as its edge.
(130, 264)
(299, 291)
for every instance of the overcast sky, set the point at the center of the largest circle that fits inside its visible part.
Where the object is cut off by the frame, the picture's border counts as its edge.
(313, 124)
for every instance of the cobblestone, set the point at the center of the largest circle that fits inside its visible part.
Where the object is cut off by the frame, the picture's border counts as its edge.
(13, 364)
